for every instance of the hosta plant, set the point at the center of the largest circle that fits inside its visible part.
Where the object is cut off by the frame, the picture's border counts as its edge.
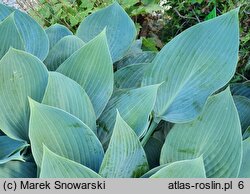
(94, 104)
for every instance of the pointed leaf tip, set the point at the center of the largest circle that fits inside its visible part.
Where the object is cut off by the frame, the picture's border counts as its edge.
(56, 166)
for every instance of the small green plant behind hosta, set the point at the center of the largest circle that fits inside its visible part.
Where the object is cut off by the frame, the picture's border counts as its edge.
(94, 104)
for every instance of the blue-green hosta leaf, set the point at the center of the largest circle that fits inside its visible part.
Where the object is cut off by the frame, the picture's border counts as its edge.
(130, 76)
(243, 106)
(121, 31)
(241, 89)
(125, 157)
(15, 156)
(62, 50)
(55, 166)
(55, 33)
(189, 62)
(9, 29)
(75, 100)
(34, 37)
(63, 134)
(215, 134)
(134, 105)
(5, 11)
(91, 67)
(153, 171)
(153, 152)
(134, 58)
(245, 165)
(135, 47)
(9, 147)
(193, 168)
(21, 75)
(18, 169)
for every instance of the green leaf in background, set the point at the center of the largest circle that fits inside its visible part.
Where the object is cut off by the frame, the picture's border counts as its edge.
(133, 58)
(9, 147)
(62, 50)
(75, 100)
(91, 67)
(125, 157)
(243, 106)
(134, 105)
(193, 168)
(245, 166)
(130, 76)
(149, 44)
(10, 37)
(241, 89)
(55, 166)
(63, 134)
(212, 14)
(148, 2)
(127, 3)
(153, 152)
(56, 32)
(189, 62)
(18, 169)
(21, 75)
(215, 134)
(121, 31)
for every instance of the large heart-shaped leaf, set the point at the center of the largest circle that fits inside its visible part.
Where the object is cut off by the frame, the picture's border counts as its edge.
(215, 134)
(34, 37)
(188, 63)
(125, 157)
(91, 67)
(9, 147)
(18, 169)
(130, 76)
(63, 134)
(9, 29)
(56, 32)
(121, 30)
(193, 168)
(62, 50)
(75, 100)
(55, 166)
(134, 105)
(245, 166)
(21, 75)
(243, 106)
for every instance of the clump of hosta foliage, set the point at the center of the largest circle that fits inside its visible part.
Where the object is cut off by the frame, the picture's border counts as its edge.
(94, 104)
